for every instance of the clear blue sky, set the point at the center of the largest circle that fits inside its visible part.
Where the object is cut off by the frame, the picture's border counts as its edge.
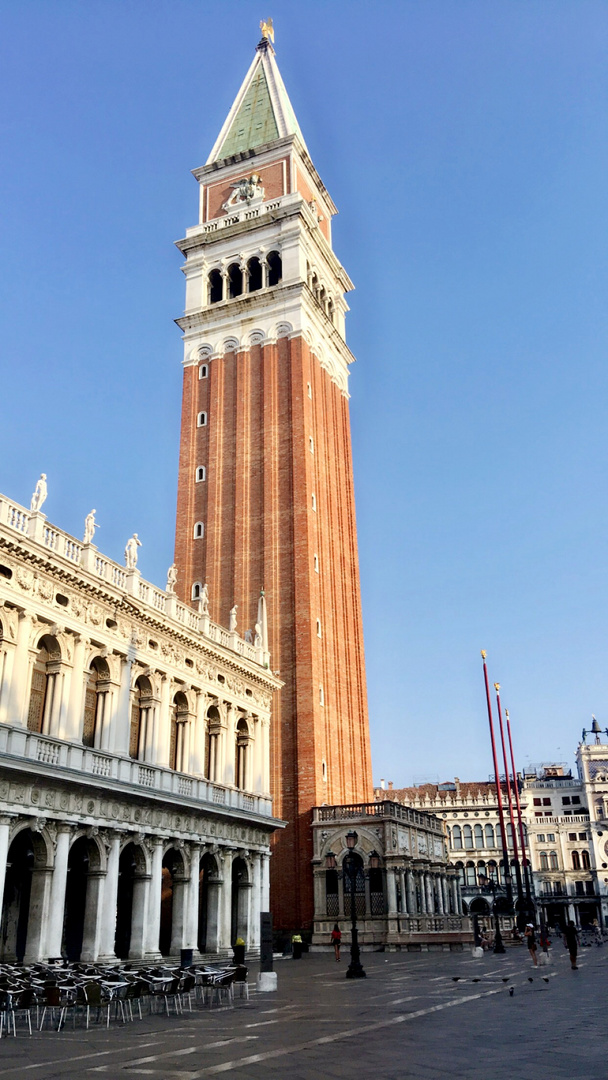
(466, 146)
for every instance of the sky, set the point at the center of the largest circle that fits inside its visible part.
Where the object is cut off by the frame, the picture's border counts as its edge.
(465, 145)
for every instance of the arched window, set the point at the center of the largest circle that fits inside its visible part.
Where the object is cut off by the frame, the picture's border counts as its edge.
(468, 836)
(481, 870)
(45, 689)
(498, 835)
(201, 420)
(212, 743)
(492, 870)
(318, 628)
(203, 371)
(332, 905)
(254, 267)
(509, 834)
(235, 281)
(576, 860)
(585, 861)
(544, 860)
(95, 701)
(489, 830)
(461, 875)
(553, 863)
(178, 746)
(196, 590)
(359, 887)
(242, 752)
(457, 836)
(200, 474)
(275, 268)
(141, 710)
(199, 530)
(324, 771)
(216, 287)
(449, 835)
(471, 877)
(376, 891)
(478, 836)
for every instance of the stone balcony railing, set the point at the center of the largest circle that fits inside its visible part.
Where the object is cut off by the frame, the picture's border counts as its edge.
(42, 755)
(387, 809)
(87, 558)
(559, 819)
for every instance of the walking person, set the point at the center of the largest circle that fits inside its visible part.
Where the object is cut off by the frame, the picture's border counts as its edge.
(531, 940)
(336, 940)
(571, 942)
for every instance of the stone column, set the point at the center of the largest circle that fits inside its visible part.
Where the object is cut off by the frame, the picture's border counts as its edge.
(107, 936)
(228, 750)
(444, 893)
(191, 928)
(422, 891)
(72, 729)
(391, 890)
(161, 732)
(7, 659)
(54, 926)
(93, 914)
(254, 910)
(38, 916)
(265, 748)
(5, 828)
(139, 913)
(19, 695)
(265, 881)
(197, 743)
(179, 918)
(225, 900)
(430, 899)
(456, 896)
(151, 933)
(121, 728)
(410, 889)
(439, 891)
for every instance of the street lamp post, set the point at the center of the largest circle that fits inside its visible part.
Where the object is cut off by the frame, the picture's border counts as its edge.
(350, 867)
(499, 947)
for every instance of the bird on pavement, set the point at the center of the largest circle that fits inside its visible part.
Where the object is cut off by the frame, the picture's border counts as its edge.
(511, 991)
(545, 978)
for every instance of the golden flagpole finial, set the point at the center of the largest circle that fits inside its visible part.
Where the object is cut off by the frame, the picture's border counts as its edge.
(483, 654)
(507, 713)
(497, 686)
(267, 30)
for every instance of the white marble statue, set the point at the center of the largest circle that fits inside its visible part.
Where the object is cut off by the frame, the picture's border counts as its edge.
(258, 636)
(89, 527)
(171, 578)
(205, 600)
(131, 552)
(40, 494)
(232, 623)
(249, 637)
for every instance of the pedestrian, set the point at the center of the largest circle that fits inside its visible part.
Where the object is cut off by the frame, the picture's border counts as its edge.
(336, 940)
(531, 939)
(597, 930)
(571, 942)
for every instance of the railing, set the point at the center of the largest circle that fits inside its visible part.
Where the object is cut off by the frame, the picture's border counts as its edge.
(388, 808)
(560, 819)
(119, 773)
(37, 528)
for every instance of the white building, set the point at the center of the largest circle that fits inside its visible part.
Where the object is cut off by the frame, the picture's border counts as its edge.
(134, 759)
(592, 763)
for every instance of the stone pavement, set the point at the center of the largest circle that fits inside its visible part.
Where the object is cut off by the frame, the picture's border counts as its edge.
(416, 1017)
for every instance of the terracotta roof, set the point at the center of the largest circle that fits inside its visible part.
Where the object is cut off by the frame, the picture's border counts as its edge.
(474, 789)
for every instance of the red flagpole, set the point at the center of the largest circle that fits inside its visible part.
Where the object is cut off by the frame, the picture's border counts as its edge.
(504, 754)
(516, 789)
(505, 853)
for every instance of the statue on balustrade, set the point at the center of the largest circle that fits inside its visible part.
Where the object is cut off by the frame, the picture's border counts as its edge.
(89, 527)
(171, 578)
(258, 636)
(232, 623)
(205, 600)
(39, 495)
(131, 552)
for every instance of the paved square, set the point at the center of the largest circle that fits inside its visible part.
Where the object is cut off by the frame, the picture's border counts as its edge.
(416, 1017)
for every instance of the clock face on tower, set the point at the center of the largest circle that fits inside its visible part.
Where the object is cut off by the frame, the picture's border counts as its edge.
(606, 847)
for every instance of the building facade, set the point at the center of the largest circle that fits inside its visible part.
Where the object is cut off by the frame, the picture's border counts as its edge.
(410, 901)
(592, 764)
(471, 822)
(135, 810)
(265, 493)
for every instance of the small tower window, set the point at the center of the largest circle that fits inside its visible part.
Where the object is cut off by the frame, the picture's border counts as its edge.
(196, 590)
(311, 444)
(318, 628)
(201, 419)
(199, 530)
(275, 268)
(200, 474)
(309, 388)
(235, 281)
(216, 287)
(254, 267)
(321, 696)
(315, 560)
(314, 501)
(203, 371)
(324, 771)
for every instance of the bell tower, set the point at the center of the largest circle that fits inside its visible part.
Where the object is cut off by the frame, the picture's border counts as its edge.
(265, 492)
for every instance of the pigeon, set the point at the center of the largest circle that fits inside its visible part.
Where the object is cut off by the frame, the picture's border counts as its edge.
(455, 978)
(545, 978)
(530, 979)
(476, 980)
(506, 979)
(511, 991)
